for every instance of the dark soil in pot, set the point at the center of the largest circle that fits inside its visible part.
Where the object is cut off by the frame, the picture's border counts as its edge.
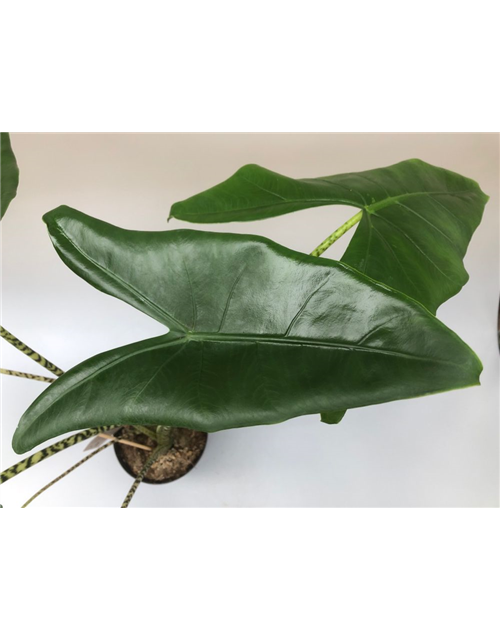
(187, 449)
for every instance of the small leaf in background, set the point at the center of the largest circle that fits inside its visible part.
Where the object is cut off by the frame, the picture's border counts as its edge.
(9, 173)
(417, 220)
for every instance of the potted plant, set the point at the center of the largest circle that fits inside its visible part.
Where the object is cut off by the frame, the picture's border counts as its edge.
(256, 333)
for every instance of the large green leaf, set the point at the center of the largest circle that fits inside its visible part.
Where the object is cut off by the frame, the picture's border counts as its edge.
(259, 334)
(417, 219)
(9, 173)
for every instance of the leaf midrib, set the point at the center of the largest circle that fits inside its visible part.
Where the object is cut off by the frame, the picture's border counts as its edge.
(245, 338)
(374, 206)
(266, 339)
(381, 204)
(304, 342)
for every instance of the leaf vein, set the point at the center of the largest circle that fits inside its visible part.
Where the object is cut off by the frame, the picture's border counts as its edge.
(263, 188)
(427, 222)
(410, 239)
(193, 302)
(304, 305)
(237, 279)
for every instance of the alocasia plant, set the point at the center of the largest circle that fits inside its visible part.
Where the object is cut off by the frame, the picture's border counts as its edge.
(259, 333)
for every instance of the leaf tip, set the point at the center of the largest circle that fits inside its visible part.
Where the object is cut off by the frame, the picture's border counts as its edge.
(17, 442)
(251, 166)
(59, 213)
(176, 211)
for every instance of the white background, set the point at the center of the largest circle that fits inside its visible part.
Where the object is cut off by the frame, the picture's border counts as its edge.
(440, 450)
(232, 574)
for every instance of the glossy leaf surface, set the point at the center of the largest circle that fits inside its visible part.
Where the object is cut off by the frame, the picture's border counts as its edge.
(417, 219)
(259, 334)
(9, 173)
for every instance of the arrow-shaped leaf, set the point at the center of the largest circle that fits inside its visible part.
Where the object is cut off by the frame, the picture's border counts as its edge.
(259, 334)
(9, 173)
(417, 220)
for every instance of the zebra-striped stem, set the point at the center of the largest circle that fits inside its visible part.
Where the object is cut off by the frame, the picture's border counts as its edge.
(6, 335)
(37, 457)
(147, 465)
(337, 234)
(67, 472)
(29, 376)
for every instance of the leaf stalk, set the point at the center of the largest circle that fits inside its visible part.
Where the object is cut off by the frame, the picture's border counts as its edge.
(337, 234)
(28, 351)
(68, 471)
(147, 465)
(28, 376)
(37, 457)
